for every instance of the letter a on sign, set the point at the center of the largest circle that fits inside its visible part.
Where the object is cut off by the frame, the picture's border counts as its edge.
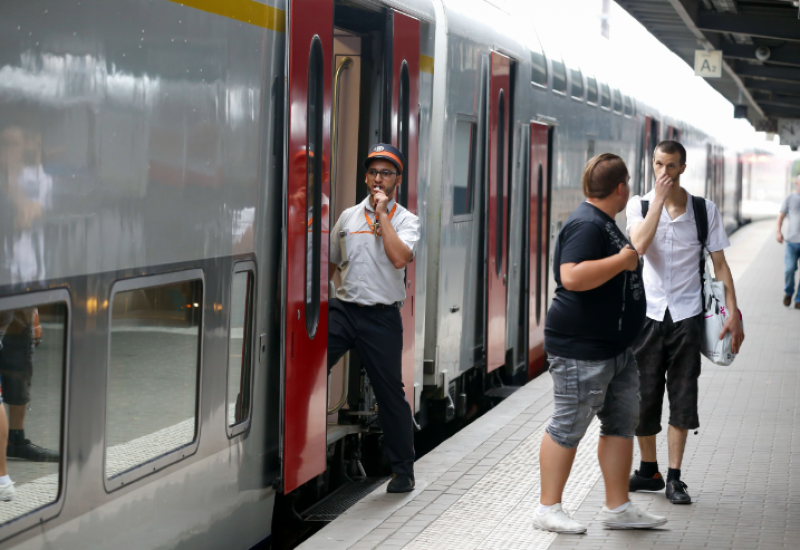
(708, 64)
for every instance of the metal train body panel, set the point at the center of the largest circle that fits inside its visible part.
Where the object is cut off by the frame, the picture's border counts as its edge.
(148, 138)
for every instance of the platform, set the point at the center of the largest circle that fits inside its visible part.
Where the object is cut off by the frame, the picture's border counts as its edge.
(478, 489)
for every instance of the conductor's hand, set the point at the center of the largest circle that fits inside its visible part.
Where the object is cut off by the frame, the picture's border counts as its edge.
(663, 187)
(630, 258)
(381, 202)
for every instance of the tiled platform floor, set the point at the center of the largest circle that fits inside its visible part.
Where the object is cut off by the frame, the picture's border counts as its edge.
(477, 489)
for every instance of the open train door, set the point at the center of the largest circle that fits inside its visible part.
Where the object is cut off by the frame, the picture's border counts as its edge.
(538, 239)
(305, 326)
(500, 96)
(404, 37)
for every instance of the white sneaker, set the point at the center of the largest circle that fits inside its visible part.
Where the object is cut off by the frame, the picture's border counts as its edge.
(557, 521)
(630, 518)
(7, 492)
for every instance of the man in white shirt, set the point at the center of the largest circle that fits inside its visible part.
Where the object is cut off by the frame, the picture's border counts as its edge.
(669, 347)
(370, 246)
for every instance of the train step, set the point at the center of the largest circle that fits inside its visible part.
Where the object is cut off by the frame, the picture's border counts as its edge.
(337, 503)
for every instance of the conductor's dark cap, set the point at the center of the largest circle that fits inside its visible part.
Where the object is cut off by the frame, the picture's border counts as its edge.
(386, 152)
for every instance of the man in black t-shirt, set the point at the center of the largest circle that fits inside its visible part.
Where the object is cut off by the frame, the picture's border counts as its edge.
(596, 315)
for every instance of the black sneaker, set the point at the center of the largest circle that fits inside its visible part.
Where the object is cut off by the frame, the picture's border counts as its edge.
(639, 483)
(30, 451)
(400, 483)
(676, 492)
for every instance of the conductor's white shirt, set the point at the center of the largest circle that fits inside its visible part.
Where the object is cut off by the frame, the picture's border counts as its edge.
(671, 265)
(368, 276)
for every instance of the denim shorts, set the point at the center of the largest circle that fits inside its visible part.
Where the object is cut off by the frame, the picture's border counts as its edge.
(608, 389)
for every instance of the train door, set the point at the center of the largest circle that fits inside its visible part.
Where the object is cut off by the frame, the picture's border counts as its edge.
(404, 34)
(499, 103)
(305, 325)
(537, 242)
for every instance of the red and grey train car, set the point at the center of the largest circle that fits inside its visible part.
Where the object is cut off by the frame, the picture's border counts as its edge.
(169, 171)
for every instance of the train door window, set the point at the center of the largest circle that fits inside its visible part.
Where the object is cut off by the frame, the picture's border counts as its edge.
(314, 186)
(153, 374)
(34, 349)
(402, 129)
(559, 77)
(576, 84)
(465, 151)
(540, 236)
(538, 68)
(605, 96)
(617, 99)
(240, 347)
(591, 90)
(590, 147)
(501, 132)
(627, 106)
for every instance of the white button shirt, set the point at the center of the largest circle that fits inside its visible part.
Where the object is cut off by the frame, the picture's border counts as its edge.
(671, 264)
(368, 276)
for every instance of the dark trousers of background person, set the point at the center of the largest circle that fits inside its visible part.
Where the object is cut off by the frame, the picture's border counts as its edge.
(376, 333)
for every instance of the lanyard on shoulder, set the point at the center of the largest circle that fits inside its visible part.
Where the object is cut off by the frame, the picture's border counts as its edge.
(375, 228)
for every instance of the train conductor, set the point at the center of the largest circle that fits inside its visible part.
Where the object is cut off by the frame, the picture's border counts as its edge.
(371, 244)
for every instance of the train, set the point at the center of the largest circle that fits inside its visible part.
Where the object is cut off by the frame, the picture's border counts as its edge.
(160, 161)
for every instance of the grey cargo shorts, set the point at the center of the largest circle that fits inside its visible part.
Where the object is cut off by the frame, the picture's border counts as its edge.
(608, 389)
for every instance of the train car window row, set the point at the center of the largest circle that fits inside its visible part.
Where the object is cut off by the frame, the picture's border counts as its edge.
(617, 101)
(240, 347)
(465, 151)
(538, 69)
(34, 340)
(605, 96)
(153, 373)
(591, 90)
(559, 77)
(576, 84)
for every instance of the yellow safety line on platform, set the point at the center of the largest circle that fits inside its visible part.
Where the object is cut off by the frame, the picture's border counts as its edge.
(425, 64)
(247, 11)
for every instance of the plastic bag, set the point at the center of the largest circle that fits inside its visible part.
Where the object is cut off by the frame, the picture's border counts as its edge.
(715, 315)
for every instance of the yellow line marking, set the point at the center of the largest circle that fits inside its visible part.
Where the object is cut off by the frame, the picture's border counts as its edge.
(247, 11)
(425, 64)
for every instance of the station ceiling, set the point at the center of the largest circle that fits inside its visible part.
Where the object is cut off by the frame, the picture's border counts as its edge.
(767, 83)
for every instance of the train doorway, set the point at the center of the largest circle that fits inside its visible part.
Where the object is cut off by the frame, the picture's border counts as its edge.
(538, 239)
(497, 219)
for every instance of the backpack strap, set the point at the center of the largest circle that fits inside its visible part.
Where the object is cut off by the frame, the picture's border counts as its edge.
(701, 222)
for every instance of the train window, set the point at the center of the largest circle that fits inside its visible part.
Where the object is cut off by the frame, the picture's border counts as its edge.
(465, 152)
(605, 96)
(591, 90)
(627, 105)
(539, 242)
(153, 373)
(316, 112)
(240, 346)
(501, 156)
(576, 83)
(34, 337)
(402, 128)
(590, 148)
(559, 77)
(617, 97)
(538, 69)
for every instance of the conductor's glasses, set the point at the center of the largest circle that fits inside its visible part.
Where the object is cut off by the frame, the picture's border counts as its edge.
(385, 174)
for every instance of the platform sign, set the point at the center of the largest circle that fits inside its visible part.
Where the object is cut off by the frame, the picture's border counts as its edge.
(708, 64)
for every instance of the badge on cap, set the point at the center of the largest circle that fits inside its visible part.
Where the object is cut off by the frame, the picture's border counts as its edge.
(379, 149)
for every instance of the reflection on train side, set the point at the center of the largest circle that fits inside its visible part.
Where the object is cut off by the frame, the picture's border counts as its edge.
(154, 365)
(32, 361)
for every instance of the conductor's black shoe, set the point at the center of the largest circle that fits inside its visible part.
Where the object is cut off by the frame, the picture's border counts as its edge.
(676, 492)
(400, 483)
(26, 450)
(639, 483)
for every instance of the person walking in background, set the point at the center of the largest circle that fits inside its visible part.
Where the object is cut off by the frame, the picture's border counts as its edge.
(790, 209)
(597, 313)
